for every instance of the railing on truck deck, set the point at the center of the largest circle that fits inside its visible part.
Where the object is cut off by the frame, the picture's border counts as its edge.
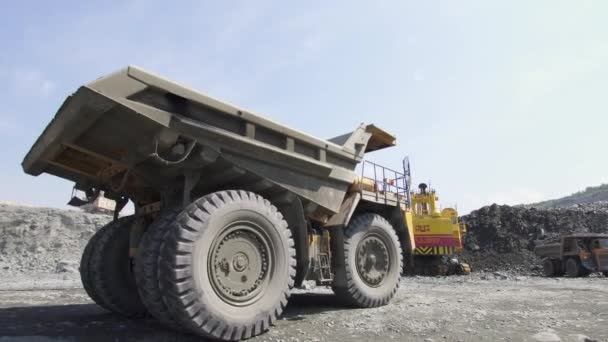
(385, 185)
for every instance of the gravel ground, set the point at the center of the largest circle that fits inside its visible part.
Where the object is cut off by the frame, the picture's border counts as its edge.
(41, 298)
(478, 307)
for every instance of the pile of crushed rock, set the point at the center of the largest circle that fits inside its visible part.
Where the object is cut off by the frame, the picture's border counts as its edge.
(502, 237)
(499, 238)
(44, 240)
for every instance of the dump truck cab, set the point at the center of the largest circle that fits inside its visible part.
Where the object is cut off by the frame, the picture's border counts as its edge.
(599, 253)
(576, 255)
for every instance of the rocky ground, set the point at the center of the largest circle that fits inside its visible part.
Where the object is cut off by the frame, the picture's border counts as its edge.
(41, 298)
(478, 307)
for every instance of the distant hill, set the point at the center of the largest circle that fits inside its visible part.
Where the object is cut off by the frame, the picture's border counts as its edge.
(589, 195)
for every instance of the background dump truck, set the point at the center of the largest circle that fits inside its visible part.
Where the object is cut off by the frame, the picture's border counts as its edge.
(576, 255)
(231, 209)
(438, 235)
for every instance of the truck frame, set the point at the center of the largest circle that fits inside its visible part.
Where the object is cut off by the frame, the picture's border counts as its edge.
(232, 210)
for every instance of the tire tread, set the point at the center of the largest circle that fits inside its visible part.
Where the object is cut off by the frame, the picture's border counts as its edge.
(147, 268)
(103, 275)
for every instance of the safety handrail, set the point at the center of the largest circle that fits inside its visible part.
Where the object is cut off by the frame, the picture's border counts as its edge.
(383, 184)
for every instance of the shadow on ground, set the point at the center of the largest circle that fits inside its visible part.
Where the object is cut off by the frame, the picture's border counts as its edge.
(89, 322)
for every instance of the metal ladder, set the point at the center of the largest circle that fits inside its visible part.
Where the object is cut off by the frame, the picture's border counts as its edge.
(324, 269)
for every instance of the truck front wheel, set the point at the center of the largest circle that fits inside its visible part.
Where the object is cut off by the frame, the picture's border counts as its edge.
(373, 262)
(228, 265)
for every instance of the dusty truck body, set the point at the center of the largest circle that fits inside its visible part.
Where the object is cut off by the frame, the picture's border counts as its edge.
(231, 209)
(576, 255)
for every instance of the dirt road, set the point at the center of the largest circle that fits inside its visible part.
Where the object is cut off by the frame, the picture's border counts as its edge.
(480, 307)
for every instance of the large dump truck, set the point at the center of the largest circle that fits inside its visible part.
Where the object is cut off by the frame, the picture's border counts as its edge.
(232, 210)
(576, 255)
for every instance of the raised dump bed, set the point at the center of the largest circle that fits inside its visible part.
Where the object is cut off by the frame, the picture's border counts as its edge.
(235, 208)
(553, 250)
(133, 121)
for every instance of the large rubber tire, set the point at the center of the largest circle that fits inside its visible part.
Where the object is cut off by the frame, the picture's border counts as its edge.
(228, 265)
(605, 273)
(558, 267)
(147, 267)
(363, 289)
(573, 268)
(85, 267)
(111, 275)
(549, 268)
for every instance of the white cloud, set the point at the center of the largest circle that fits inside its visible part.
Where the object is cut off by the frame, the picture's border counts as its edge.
(33, 82)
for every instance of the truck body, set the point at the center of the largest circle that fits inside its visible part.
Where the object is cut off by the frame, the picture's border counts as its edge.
(127, 120)
(237, 207)
(575, 255)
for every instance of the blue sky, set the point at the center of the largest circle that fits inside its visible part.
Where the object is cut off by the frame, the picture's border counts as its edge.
(493, 101)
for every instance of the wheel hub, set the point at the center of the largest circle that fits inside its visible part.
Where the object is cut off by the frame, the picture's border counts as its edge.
(372, 260)
(238, 265)
(240, 262)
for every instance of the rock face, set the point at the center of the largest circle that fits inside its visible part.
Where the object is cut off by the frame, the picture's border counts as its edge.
(502, 237)
(43, 239)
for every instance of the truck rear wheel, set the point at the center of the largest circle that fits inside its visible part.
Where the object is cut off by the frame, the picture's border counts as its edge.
(373, 262)
(85, 267)
(228, 265)
(146, 269)
(548, 268)
(558, 268)
(573, 268)
(110, 270)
